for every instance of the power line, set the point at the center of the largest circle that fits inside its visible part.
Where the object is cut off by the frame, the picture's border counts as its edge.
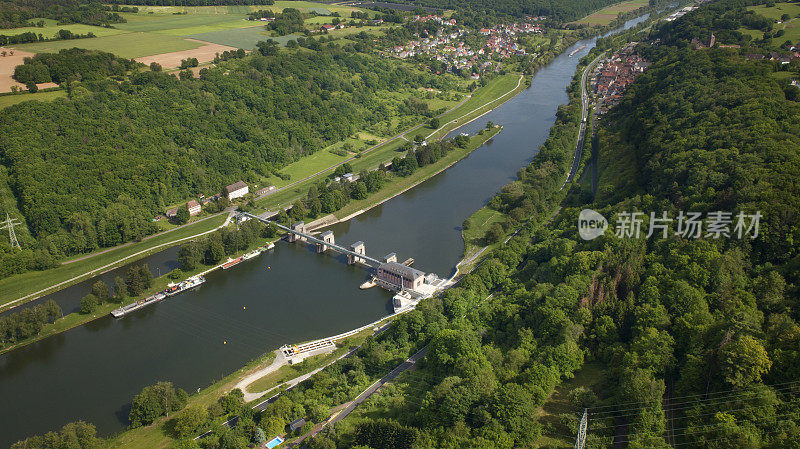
(710, 402)
(684, 397)
(12, 236)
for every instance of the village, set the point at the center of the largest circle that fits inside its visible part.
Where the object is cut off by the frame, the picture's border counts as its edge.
(612, 76)
(449, 45)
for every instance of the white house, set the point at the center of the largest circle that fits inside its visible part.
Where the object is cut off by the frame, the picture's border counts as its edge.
(236, 190)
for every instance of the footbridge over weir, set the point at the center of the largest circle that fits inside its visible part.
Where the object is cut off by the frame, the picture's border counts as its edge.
(297, 232)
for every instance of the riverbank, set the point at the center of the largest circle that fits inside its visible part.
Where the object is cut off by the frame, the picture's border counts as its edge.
(75, 319)
(26, 287)
(403, 184)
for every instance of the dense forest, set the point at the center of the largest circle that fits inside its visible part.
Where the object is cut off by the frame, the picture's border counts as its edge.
(99, 165)
(18, 13)
(562, 11)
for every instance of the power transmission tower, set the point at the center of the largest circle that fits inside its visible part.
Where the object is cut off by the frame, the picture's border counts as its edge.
(12, 236)
(581, 440)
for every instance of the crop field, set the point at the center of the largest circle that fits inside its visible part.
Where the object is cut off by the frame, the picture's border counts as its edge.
(240, 37)
(51, 29)
(609, 13)
(128, 45)
(183, 24)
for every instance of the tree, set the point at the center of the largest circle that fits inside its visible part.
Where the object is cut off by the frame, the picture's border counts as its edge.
(146, 275)
(182, 215)
(273, 425)
(743, 361)
(189, 256)
(155, 67)
(100, 291)
(89, 304)
(259, 437)
(215, 252)
(189, 421)
(155, 401)
(134, 281)
(120, 289)
(495, 233)
(32, 87)
(185, 75)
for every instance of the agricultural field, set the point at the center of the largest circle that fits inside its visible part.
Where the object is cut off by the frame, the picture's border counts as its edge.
(157, 31)
(51, 29)
(128, 45)
(9, 100)
(606, 15)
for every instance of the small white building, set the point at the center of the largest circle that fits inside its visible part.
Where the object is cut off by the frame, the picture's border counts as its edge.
(236, 190)
(194, 208)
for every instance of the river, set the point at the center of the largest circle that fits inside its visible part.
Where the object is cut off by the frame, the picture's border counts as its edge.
(287, 295)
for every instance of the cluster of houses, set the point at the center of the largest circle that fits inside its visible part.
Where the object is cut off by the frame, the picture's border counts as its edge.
(449, 47)
(612, 76)
(434, 18)
(231, 192)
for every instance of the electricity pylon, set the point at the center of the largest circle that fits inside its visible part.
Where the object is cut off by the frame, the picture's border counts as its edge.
(12, 236)
(581, 440)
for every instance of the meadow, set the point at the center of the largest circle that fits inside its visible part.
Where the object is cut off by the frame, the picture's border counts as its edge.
(10, 100)
(606, 15)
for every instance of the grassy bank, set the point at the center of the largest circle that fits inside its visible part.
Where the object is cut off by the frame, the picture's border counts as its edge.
(155, 435)
(38, 283)
(397, 184)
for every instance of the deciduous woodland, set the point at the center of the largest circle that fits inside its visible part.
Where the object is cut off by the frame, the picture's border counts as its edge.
(99, 165)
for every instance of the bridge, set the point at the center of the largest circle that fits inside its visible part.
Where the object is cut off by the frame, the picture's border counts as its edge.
(355, 255)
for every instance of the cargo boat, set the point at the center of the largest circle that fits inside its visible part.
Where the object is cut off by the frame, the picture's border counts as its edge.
(231, 262)
(577, 50)
(171, 290)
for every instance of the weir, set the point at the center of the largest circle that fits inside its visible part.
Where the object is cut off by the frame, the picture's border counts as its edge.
(298, 232)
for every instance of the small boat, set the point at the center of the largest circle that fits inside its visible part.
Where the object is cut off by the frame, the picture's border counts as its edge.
(231, 263)
(368, 284)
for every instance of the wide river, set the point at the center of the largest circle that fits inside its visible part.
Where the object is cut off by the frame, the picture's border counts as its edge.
(285, 296)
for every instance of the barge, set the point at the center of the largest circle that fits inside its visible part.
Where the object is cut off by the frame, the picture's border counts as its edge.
(171, 290)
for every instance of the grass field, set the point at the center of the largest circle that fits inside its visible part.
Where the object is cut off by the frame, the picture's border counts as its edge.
(184, 24)
(791, 27)
(240, 37)
(128, 45)
(9, 100)
(609, 13)
(51, 29)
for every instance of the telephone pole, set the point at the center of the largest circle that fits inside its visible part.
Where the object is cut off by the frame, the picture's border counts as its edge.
(580, 442)
(12, 236)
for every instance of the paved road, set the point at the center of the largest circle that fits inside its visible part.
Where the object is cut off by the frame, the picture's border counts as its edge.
(576, 160)
(372, 389)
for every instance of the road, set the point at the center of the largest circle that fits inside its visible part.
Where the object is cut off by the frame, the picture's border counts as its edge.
(364, 395)
(576, 160)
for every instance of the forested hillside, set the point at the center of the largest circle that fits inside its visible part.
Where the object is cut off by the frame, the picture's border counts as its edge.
(97, 166)
(561, 11)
